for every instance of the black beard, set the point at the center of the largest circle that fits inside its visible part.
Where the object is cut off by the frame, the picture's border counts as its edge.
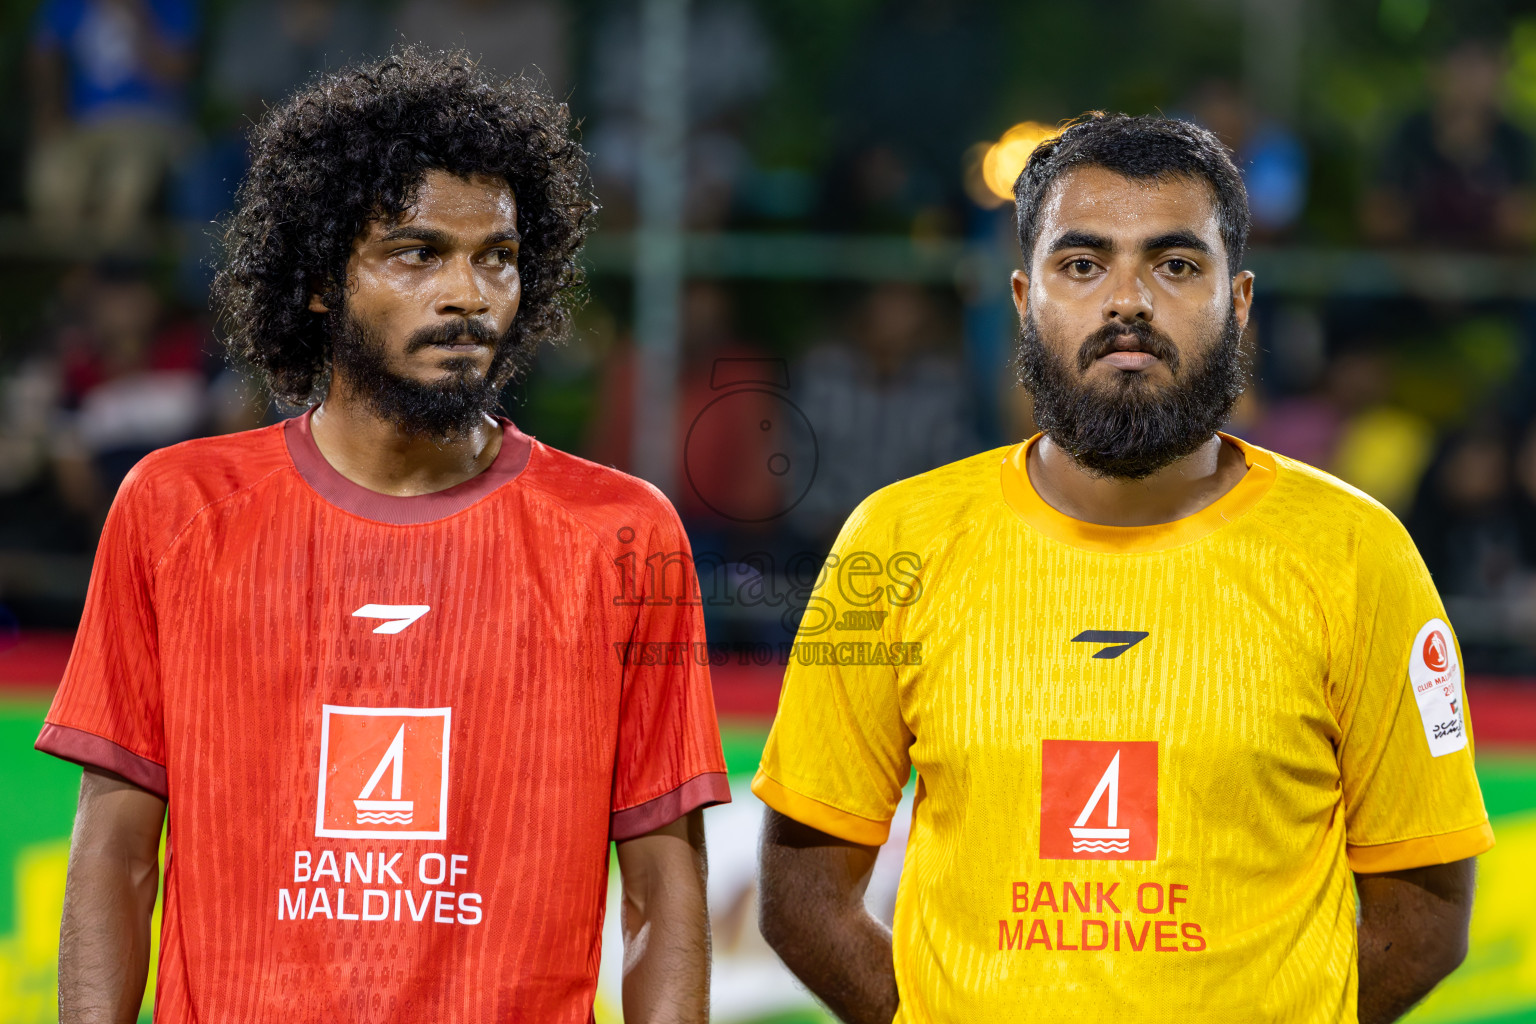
(1129, 429)
(448, 409)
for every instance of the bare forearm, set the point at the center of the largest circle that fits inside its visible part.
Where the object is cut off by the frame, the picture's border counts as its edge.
(811, 911)
(666, 925)
(1391, 981)
(1413, 932)
(845, 960)
(666, 967)
(104, 941)
(109, 898)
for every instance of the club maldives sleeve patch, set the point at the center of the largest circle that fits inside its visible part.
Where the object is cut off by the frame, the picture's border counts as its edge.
(1434, 674)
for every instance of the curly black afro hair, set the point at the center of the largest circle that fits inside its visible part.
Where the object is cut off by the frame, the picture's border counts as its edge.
(353, 146)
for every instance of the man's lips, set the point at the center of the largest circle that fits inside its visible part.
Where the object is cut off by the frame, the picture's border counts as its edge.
(1129, 352)
(1129, 359)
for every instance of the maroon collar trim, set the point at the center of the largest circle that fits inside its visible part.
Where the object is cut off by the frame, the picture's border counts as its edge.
(516, 447)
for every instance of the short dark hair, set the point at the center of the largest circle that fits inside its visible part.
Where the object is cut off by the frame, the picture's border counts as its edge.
(353, 146)
(1143, 147)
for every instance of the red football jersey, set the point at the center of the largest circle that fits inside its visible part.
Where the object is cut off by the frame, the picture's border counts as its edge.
(396, 734)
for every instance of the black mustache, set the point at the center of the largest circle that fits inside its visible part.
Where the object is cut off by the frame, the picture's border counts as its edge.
(455, 332)
(1148, 338)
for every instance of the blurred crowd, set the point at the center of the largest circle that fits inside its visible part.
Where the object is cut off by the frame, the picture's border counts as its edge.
(795, 400)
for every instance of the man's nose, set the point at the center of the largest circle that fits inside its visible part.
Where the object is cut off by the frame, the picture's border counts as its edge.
(1128, 298)
(462, 294)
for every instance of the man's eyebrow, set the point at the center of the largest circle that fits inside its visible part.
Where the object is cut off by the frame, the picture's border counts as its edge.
(1176, 240)
(1082, 240)
(431, 236)
(441, 239)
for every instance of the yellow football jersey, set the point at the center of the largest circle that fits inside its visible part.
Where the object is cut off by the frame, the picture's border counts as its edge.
(1147, 758)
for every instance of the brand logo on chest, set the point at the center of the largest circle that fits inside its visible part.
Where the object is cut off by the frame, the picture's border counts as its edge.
(383, 773)
(398, 616)
(1098, 800)
(1119, 640)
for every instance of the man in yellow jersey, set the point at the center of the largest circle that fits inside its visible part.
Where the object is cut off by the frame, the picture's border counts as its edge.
(1186, 715)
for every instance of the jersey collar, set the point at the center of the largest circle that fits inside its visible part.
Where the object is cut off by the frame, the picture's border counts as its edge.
(394, 509)
(1021, 496)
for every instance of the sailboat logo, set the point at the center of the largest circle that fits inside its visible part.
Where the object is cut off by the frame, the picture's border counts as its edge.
(383, 773)
(393, 811)
(1109, 839)
(1098, 799)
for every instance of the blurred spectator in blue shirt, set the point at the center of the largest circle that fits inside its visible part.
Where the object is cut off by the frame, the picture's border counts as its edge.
(109, 109)
(1272, 159)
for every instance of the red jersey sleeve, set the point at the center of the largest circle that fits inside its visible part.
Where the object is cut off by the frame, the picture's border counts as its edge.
(669, 759)
(107, 712)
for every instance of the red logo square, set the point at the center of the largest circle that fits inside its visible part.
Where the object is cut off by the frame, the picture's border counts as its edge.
(1098, 800)
(383, 773)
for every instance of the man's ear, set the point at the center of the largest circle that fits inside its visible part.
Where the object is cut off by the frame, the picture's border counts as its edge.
(1021, 293)
(1242, 296)
(320, 287)
(317, 292)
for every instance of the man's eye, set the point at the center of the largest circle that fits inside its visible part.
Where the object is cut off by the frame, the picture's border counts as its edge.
(1081, 266)
(500, 257)
(1179, 268)
(420, 254)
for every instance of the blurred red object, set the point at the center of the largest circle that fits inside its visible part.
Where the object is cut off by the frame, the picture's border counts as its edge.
(1503, 711)
(34, 660)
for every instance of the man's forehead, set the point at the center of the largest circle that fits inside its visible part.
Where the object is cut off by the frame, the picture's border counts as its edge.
(1099, 200)
(449, 197)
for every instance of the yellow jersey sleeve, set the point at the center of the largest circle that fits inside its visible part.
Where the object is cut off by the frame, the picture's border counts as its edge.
(1411, 797)
(837, 756)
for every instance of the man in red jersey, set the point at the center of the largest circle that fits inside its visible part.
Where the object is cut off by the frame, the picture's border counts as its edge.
(371, 658)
